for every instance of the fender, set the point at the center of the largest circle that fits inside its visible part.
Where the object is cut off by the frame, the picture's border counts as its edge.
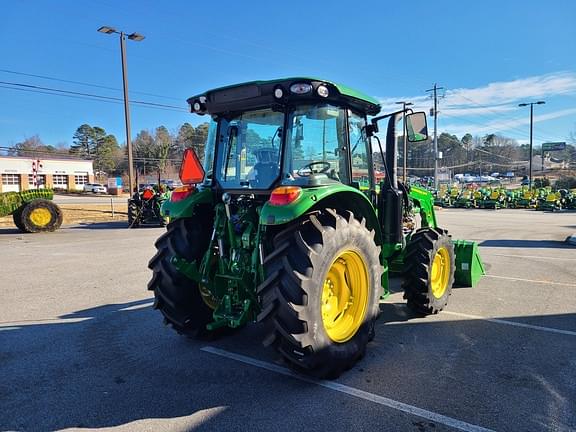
(186, 207)
(333, 196)
(425, 201)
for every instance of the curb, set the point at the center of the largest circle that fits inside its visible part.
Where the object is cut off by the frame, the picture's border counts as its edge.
(571, 239)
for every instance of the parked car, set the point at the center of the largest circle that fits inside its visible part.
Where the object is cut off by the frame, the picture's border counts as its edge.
(95, 188)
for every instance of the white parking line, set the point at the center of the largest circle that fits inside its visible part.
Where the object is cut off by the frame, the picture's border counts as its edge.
(512, 323)
(332, 385)
(528, 256)
(546, 282)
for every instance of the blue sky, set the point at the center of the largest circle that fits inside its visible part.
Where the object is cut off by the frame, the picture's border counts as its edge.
(489, 56)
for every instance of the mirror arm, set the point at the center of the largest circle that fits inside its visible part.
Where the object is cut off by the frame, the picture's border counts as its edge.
(373, 128)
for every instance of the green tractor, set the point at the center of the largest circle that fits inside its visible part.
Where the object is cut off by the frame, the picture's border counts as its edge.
(32, 210)
(273, 227)
(144, 207)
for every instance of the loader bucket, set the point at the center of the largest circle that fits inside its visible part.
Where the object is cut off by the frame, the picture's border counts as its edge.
(469, 267)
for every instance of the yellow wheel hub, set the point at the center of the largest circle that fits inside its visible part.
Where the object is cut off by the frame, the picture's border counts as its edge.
(440, 272)
(345, 296)
(40, 217)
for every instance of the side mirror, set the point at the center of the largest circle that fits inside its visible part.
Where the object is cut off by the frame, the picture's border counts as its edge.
(416, 127)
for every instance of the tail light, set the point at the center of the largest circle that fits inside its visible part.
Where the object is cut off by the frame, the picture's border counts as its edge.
(181, 193)
(284, 195)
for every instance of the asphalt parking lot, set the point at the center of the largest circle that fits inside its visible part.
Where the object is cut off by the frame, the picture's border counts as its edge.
(81, 347)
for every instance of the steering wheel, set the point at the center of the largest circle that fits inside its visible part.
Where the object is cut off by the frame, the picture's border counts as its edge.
(303, 173)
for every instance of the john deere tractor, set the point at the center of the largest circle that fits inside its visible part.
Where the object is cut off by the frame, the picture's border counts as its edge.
(144, 207)
(272, 227)
(32, 210)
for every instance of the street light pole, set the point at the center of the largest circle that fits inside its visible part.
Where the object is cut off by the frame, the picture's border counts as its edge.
(531, 134)
(135, 37)
(127, 112)
(405, 145)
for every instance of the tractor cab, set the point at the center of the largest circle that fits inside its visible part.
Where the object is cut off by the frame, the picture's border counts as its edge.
(294, 132)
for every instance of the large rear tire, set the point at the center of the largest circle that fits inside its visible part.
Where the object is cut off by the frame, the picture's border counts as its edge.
(133, 215)
(39, 215)
(429, 270)
(321, 294)
(176, 296)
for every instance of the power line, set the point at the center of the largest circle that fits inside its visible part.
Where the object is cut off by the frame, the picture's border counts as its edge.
(513, 128)
(495, 128)
(60, 92)
(84, 84)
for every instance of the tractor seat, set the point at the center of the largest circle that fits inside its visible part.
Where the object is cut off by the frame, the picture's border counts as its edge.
(265, 173)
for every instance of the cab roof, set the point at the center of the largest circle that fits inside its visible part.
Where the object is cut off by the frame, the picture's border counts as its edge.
(259, 94)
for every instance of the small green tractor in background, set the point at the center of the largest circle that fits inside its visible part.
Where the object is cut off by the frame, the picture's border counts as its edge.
(273, 226)
(144, 207)
(32, 210)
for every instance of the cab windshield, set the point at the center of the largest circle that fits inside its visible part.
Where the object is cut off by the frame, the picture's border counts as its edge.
(315, 151)
(249, 149)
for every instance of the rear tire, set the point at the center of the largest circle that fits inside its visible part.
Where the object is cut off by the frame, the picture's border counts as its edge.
(321, 294)
(429, 270)
(176, 296)
(133, 215)
(39, 215)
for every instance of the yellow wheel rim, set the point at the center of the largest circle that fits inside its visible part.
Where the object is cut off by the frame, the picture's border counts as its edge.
(345, 296)
(440, 272)
(40, 217)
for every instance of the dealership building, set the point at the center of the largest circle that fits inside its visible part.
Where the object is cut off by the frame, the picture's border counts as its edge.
(23, 173)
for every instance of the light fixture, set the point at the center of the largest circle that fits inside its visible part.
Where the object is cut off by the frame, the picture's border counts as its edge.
(136, 37)
(322, 91)
(301, 88)
(107, 30)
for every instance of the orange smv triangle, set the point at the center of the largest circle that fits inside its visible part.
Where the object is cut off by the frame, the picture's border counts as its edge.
(191, 171)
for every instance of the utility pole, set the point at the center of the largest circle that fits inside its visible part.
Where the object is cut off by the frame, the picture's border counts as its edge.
(405, 141)
(531, 133)
(435, 96)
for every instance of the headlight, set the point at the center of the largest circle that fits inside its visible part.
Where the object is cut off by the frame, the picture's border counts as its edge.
(322, 91)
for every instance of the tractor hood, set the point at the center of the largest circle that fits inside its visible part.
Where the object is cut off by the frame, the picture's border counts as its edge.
(298, 90)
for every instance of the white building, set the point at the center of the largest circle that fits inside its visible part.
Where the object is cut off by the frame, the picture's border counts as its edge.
(17, 173)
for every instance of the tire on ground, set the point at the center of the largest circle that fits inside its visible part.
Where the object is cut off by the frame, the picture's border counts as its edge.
(133, 212)
(298, 292)
(17, 218)
(176, 296)
(429, 270)
(39, 215)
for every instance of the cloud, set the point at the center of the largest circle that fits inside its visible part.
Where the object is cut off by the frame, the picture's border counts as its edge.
(493, 98)
(504, 125)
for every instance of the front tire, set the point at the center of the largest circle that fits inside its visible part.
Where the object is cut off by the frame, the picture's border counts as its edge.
(321, 294)
(176, 296)
(429, 270)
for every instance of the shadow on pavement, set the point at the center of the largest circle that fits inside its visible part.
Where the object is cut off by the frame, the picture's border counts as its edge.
(117, 365)
(109, 225)
(9, 230)
(550, 244)
(101, 225)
